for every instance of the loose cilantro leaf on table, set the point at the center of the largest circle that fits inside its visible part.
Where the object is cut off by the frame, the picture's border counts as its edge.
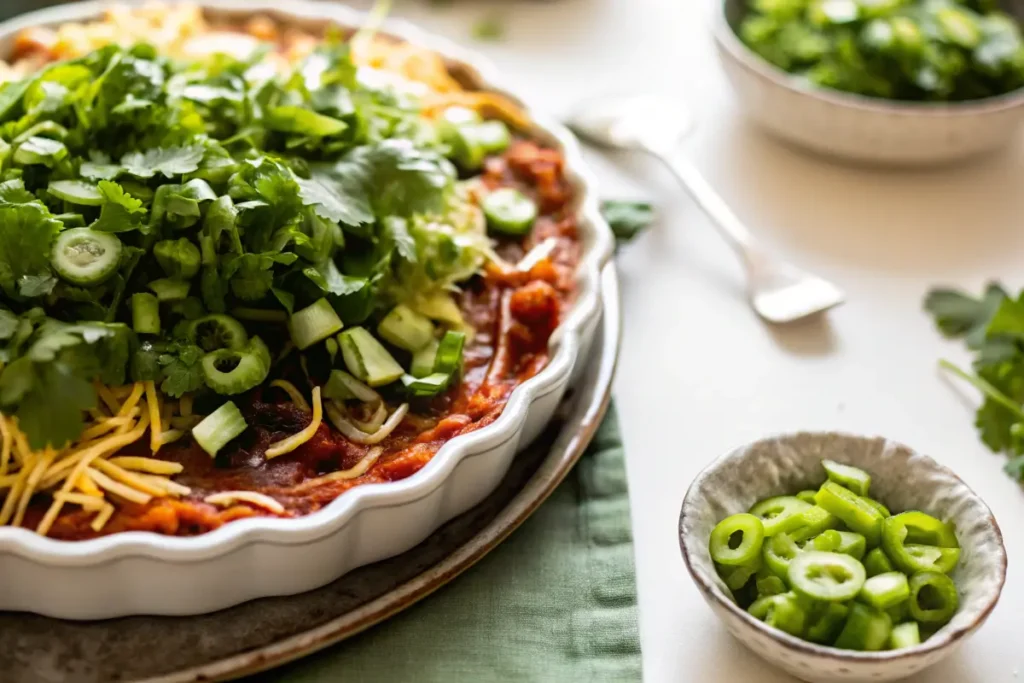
(627, 219)
(992, 326)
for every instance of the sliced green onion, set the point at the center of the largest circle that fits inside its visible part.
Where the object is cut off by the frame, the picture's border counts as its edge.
(342, 386)
(509, 211)
(905, 635)
(853, 478)
(424, 359)
(813, 521)
(933, 598)
(145, 313)
(367, 359)
(233, 371)
(86, 257)
(780, 514)
(406, 329)
(827, 541)
(827, 622)
(431, 385)
(179, 258)
(877, 563)
(850, 508)
(826, 576)
(217, 331)
(170, 290)
(449, 352)
(313, 324)
(218, 428)
(76, 192)
(784, 612)
(866, 629)
(885, 590)
(39, 150)
(261, 315)
(736, 540)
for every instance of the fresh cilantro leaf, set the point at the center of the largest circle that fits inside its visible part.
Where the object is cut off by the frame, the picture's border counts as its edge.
(120, 211)
(489, 28)
(26, 233)
(8, 324)
(398, 178)
(11, 94)
(958, 314)
(627, 219)
(49, 385)
(289, 119)
(1008, 320)
(398, 230)
(13, 192)
(182, 370)
(169, 162)
(1015, 467)
(327, 277)
(31, 286)
(336, 197)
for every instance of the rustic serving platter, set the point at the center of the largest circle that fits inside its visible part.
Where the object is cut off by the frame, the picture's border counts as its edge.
(265, 633)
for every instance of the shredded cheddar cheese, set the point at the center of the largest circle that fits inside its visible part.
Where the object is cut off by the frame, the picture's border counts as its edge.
(295, 440)
(294, 394)
(226, 498)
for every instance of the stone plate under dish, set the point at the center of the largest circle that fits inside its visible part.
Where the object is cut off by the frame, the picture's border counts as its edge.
(269, 632)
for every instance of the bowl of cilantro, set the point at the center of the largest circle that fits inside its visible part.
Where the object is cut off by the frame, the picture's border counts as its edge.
(885, 82)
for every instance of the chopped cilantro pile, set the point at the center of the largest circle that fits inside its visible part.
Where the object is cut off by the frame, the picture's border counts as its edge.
(992, 326)
(139, 195)
(934, 50)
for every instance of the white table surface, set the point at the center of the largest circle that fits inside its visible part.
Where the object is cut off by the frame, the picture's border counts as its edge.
(699, 374)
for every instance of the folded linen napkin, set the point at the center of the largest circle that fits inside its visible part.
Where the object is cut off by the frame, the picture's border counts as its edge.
(554, 602)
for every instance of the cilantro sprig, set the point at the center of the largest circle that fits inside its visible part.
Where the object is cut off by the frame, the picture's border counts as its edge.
(292, 187)
(992, 327)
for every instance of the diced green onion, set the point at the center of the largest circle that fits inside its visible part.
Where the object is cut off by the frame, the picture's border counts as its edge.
(736, 540)
(877, 563)
(449, 352)
(233, 371)
(509, 211)
(342, 386)
(313, 324)
(423, 360)
(367, 359)
(39, 150)
(885, 590)
(86, 257)
(179, 258)
(218, 428)
(406, 329)
(170, 290)
(76, 192)
(866, 629)
(905, 635)
(145, 313)
(853, 478)
(780, 514)
(850, 508)
(826, 576)
(933, 598)
(431, 385)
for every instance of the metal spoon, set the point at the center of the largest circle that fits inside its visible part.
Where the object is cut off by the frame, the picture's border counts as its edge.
(778, 292)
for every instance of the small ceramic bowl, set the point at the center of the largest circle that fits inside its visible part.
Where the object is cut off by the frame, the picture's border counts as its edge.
(901, 479)
(852, 127)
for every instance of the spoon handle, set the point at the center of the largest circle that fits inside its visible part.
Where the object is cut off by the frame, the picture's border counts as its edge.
(728, 224)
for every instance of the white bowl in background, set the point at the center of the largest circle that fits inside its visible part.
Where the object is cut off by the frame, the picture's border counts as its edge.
(853, 127)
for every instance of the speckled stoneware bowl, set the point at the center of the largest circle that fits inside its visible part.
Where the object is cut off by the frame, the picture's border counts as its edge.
(903, 480)
(852, 127)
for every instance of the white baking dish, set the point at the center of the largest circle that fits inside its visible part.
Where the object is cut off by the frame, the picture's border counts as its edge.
(146, 573)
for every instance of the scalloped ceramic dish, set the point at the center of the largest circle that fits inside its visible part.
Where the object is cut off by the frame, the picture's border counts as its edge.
(901, 479)
(145, 573)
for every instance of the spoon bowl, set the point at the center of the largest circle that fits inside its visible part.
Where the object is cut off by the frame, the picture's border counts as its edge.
(779, 292)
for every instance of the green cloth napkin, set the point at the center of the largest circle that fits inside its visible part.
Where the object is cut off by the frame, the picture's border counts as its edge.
(555, 602)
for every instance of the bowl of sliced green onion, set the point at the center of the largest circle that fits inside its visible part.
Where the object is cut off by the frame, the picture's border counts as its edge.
(842, 558)
(892, 82)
